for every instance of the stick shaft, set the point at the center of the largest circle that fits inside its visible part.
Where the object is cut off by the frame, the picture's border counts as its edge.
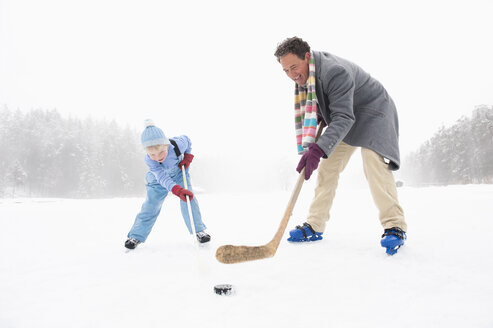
(189, 207)
(274, 243)
(289, 210)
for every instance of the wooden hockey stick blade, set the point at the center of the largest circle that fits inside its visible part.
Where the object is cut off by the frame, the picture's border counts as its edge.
(230, 254)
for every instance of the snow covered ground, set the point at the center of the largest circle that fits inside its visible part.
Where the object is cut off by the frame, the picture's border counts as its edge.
(62, 264)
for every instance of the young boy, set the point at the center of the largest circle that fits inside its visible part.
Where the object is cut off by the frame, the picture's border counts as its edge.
(165, 157)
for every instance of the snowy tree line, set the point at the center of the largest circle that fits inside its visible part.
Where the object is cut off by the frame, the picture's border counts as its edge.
(44, 154)
(460, 154)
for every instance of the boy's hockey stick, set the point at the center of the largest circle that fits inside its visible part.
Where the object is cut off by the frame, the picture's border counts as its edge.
(234, 254)
(204, 268)
(189, 208)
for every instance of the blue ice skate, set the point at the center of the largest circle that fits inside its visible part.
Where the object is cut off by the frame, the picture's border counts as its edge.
(393, 239)
(304, 233)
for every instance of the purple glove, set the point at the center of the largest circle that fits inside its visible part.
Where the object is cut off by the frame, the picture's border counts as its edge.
(310, 160)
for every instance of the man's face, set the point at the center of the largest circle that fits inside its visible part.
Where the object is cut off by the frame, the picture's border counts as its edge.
(158, 154)
(295, 68)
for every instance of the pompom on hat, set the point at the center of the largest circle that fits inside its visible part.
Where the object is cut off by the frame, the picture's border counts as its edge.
(152, 135)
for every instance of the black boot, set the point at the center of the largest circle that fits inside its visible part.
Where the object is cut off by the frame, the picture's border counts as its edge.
(203, 237)
(131, 243)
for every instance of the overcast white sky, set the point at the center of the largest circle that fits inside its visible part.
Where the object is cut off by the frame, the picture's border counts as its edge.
(206, 68)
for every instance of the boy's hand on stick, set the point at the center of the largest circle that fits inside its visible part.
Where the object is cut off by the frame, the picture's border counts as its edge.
(182, 192)
(187, 159)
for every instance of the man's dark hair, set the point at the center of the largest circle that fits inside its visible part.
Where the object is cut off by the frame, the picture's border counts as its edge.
(294, 46)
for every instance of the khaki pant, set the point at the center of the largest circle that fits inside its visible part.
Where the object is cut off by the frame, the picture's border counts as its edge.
(380, 180)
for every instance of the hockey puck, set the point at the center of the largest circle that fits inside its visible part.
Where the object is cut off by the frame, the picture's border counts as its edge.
(223, 289)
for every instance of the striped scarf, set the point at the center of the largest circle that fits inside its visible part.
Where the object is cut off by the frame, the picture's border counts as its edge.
(305, 110)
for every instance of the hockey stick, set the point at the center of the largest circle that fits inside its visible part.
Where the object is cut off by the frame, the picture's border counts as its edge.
(229, 254)
(203, 267)
(190, 214)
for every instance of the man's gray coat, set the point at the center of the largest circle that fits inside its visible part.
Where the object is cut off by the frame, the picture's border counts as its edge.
(356, 108)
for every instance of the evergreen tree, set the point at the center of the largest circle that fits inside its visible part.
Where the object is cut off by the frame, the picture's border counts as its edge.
(460, 154)
(47, 155)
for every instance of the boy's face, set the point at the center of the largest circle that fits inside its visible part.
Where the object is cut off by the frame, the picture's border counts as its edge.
(158, 154)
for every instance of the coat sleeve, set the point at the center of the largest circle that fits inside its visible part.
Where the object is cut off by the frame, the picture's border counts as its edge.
(184, 144)
(161, 176)
(338, 88)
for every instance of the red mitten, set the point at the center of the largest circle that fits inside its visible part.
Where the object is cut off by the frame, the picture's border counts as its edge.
(182, 192)
(187, 159)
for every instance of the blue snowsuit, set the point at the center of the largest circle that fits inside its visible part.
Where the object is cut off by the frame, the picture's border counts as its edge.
(161, 178)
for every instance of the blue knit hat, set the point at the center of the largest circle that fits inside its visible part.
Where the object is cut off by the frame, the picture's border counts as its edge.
(152, 135)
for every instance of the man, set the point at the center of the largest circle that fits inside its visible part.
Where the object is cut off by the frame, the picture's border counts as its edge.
(358, 112)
